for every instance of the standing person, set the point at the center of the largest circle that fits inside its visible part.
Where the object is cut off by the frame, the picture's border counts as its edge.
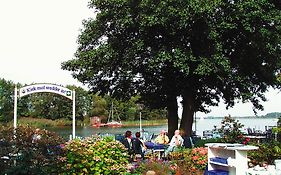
(128, 143)
(176, 141)
(138, 145)
(162, 138)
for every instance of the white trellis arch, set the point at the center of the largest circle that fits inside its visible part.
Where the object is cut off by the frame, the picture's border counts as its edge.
(35, 88)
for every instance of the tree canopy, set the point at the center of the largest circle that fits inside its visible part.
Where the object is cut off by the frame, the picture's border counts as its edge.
(203, 51)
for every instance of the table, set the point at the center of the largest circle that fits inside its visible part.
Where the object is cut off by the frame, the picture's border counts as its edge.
(159, 149)
(158, 152)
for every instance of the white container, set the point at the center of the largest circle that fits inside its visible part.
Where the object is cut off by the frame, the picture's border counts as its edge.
(271, 169)
(277, 163)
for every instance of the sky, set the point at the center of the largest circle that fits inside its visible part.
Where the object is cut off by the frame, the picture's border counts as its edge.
(36, 36)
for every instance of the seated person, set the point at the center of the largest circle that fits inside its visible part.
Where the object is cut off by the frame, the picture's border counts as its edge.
(128, 143)
(176, 141)
(162, 138)
(36, 136)
(138, 145)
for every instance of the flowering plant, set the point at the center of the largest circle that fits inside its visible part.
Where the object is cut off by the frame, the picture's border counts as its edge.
(242, 139)
(231, 131)
(193, 161)
(158, 166)
(199, 158)
(95, 156)
(40, 157)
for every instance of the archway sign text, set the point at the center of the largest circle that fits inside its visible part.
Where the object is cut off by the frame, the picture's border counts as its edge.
(37, 88)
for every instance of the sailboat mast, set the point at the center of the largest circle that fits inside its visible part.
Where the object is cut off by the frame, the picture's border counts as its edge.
(112, 111)
(140, 123)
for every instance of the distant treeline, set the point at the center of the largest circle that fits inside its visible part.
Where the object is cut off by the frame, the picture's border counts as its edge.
(268, 115)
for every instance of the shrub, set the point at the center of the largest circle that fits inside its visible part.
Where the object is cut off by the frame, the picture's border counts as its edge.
(160, 167)
(202, 142)
(27, 157)
(267, 153)
(231, 131)
(95, 156)
(191, 161)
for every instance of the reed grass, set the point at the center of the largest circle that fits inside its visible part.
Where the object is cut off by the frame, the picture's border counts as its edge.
(146, 122)
(41, 122)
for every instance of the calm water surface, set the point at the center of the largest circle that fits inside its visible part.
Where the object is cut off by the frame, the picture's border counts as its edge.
(199, 126)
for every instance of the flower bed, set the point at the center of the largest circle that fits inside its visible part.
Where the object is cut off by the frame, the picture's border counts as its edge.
(181, 162)
(95, 156)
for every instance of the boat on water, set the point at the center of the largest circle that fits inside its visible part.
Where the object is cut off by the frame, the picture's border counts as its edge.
(96, 122)
(113, 120)
(114, 124)
(97, 125)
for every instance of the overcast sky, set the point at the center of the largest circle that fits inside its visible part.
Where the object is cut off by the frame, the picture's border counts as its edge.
(37, 35)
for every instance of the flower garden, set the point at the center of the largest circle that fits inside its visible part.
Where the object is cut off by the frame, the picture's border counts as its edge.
(95, 155)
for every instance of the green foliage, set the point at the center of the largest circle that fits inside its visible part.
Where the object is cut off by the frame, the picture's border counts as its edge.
(204, 51)
(276, 130)
(53, 106)
(158, 166)
(95, 156)
(28, 157)
(6, 100)
(83, 104)
(267, 153)
(190, 160)
(43, 123)
(202, 142)
(231, 130)
(99, 107)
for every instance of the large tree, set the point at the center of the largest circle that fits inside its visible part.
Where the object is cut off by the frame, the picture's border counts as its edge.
(203, 51)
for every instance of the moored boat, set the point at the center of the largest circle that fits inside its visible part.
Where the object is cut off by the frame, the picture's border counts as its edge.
(113, 121)
(114, 124)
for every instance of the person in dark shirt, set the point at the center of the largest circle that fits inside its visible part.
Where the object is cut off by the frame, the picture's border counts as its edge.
(138, 145)
(128, 143)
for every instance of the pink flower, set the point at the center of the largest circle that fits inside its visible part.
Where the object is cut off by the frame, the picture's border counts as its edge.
(195, 157)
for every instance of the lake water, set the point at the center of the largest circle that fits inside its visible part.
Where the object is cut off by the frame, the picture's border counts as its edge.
(199, 125)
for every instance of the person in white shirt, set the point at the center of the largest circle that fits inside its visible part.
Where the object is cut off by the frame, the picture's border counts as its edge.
(36, 136)
(176, 141)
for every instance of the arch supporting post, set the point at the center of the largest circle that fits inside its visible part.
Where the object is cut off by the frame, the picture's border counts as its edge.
(15, 106)
(73, 114)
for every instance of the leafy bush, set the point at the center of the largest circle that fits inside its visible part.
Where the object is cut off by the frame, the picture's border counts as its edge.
(160, 167)
(23, 156)
(95, 156)
(202, 142)
(276, 130)
(267, 153)
(191, 161)
(231, 131)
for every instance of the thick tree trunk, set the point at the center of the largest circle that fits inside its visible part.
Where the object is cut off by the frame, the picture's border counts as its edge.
(187, 114)
(172, 107)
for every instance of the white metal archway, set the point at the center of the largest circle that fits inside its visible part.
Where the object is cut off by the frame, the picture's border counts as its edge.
(36, 88)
